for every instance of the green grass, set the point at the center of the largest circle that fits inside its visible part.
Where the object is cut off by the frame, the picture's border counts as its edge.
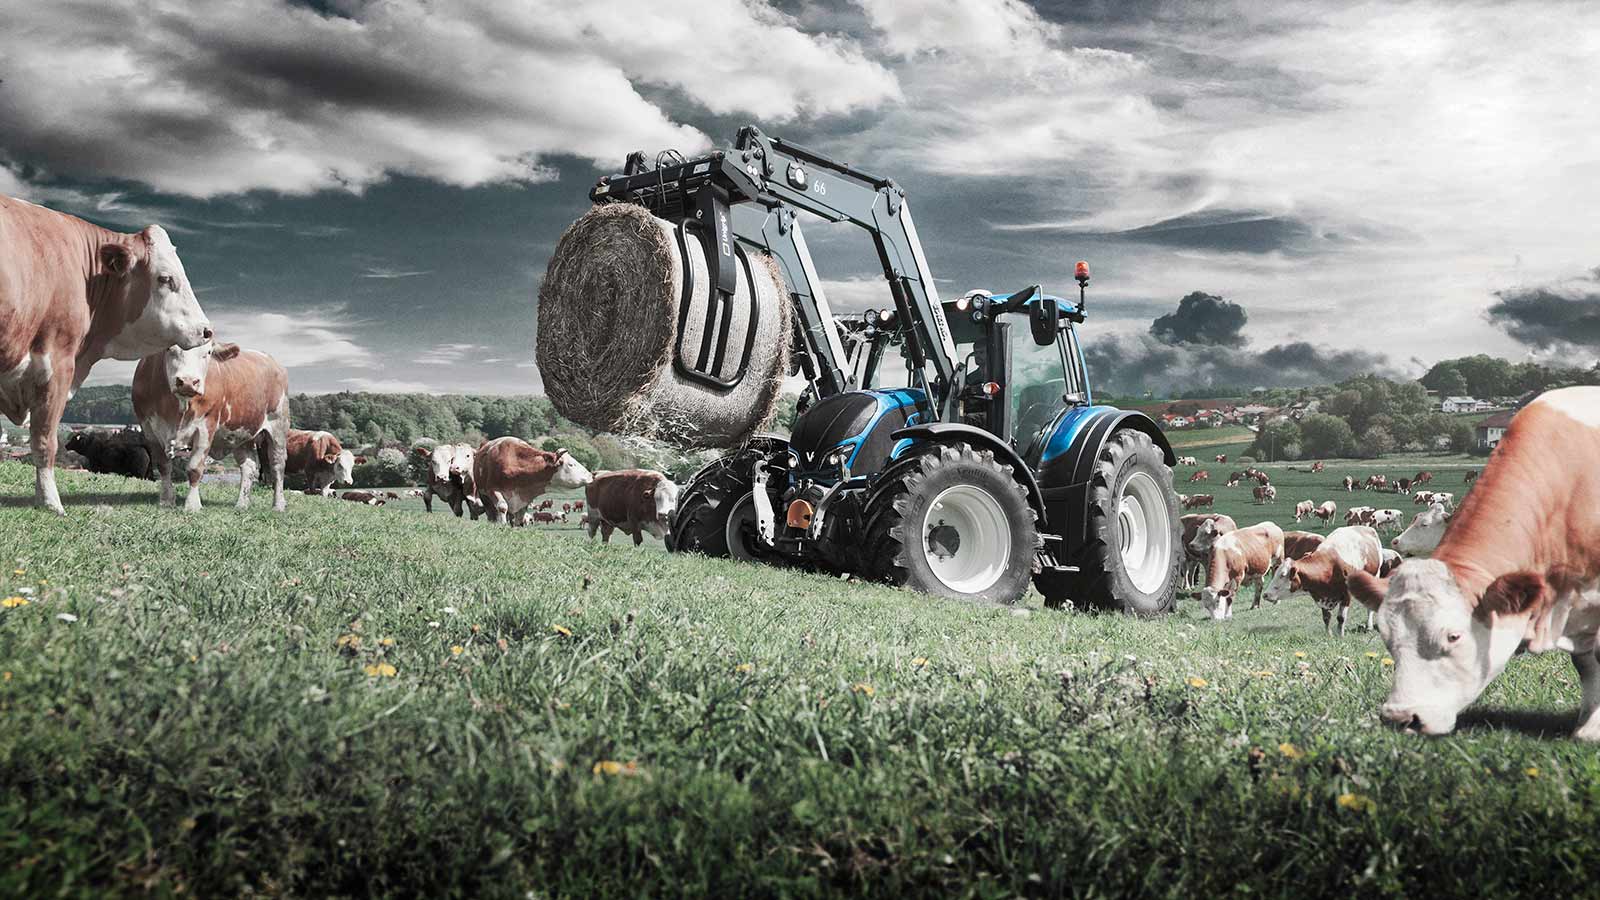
(202, 728)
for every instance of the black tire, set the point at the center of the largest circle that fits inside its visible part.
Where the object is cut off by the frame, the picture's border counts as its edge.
(896, 543)
(700, 524)
(1103, 581)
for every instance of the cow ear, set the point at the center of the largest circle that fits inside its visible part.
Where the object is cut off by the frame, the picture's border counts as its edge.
(117, 258)
(1511, 595)
(423, 452)
(225, 351)
(1367, 588)
(560, 452)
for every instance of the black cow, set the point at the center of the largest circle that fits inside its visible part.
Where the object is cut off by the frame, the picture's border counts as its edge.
(123, 453)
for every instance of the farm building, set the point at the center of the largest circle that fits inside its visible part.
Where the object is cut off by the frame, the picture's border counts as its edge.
(1464, 404)
(1492, 429)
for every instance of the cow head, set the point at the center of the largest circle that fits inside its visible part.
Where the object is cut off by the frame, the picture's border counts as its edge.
(1446, 651)
(439, 459)
(1427, 529)
(1284, 581)
(159, 307)
(570, 474)
(186, 369)
(1204, 537)
(1218, 602)
(461, 462)
(344, 467)
(666, 499)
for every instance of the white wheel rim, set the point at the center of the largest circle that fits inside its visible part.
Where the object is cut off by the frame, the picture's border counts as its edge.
(1146, 538)
(981, 541)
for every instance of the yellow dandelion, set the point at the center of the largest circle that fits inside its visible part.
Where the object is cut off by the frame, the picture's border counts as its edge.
(457, 650)
(745, 668)
(1356, 802)
(1299, 654)
(1388, 660)
(1195, 681)
(861, 687)
(920, 661)
(188, 824)
(1372, 654)
(193, 658)
(1531, 771)
(44, 581)
(381, 670)
(1291, 751)
(387, 642)
(1264, 673)
(19, 571)
(562, 630)
(6, 676)
(608, 767)
(351, 641)
(14, 602)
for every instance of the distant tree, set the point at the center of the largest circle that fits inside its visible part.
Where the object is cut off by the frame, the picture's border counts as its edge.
(1375, 442)
(1324, 435)
(1462, 439)
(1273, 437)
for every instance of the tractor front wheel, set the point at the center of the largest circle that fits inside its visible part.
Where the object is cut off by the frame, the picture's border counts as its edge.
(951, 520)
(716, 513)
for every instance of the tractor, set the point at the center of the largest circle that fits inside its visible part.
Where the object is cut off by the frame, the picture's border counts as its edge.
(987, 467)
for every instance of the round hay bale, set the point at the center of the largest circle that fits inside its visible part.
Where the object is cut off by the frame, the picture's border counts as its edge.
(609, 313)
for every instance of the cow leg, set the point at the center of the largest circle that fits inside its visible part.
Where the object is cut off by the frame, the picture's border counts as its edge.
(249, 465)
(164, 470)
(1344, 613)
(474, 508)
(638, 534)
(46, 418)
(605, 531)
(427, 498)
(1589, 713)
(1327, 621)
(199, 446)
(591, 522)
(1261, 587)
(455, 503)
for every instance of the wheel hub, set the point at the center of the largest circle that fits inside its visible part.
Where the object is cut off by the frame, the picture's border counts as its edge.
(1144, 535)
(966, 539)
(943, 541)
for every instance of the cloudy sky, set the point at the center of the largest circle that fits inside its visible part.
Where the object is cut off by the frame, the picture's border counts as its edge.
(370, 190)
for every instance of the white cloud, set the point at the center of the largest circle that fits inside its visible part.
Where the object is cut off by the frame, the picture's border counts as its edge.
(238, 95)
(448, 354)
(307, 338)
(388, 273)
(386, 386)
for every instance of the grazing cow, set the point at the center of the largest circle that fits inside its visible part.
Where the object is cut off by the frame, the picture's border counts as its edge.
(1444, 498)
(72, 294)
(122, 453)
(1391, 561)
(1238, 558)
(1422, 478)
(1260, 476)
(1201, 475)
(1199, 532)
(1359, 515)
(1265, 493)
(214, 399)
(1297, 544)
(1385, 518)
(1231, 482)
(1222, 458)
(510, 472)
(1422, 498)
(370, 498)
(390, 495)
(1349, 483)
(635, 501)
(1302, 509)
(1403, 486)
(1518, 567)
(577, 506)
(1324, 574)
(1470, 476)
(1327, 510)
(545, 517)
(1317, 467)
(1424, 533)
(450, 477)
(318, 456)
(1188, 461)
(1377, 482)
(1195, 501)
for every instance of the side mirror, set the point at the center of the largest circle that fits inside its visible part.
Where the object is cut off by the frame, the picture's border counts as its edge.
(1044, 319)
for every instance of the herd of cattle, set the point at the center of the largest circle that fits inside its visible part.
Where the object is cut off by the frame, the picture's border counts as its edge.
(1516, 566)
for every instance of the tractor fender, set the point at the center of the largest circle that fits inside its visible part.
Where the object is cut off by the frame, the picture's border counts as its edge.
(1065, 475)
(953, 432)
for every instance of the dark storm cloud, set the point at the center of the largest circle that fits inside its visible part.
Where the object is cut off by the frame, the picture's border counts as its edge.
(1225, 230)
(1202, 318)
(1548, 317)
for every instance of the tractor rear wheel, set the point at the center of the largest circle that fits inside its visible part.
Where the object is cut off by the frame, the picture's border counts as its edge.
(716, 512)
(1132, 558)
(950, 520)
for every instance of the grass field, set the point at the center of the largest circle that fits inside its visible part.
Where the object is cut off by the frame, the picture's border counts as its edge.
(347, 701)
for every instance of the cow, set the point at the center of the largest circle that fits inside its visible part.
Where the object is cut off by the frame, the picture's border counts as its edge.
(1424, 533)
(1422, 478)
(1239, 558)
(1422, 498)
(1385, 518)
(1326, 510)
(1359, 515)
(1317, 467)
(1201, 475)
(544, 517)
(1260, 476)
(1403, 486)
(1303, 509)
(1391, 561)
(1325, 573)
(1443, 498)
(577, 506)
(1297, 544)
(450, 478)
(510, 472)
(214, 398)
(1199, 531)
(369, 498)
(320, 457)
(634, 501)
(1349, 483)
(1377, 482)
(1195, 501)
(1265, 493)
(1519, 566)
(1222, 458)
(122, 453)
(1188, 461)
(72, 294)
(1231, 482)
(1470, 476)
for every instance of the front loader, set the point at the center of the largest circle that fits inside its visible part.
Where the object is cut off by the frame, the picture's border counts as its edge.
(991, 467)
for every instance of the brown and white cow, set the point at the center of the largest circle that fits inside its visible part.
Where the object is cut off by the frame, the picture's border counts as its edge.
(1297, 544)
(1422, 478)
(1197, 546)
(1222, 458)
(1237, 559)
(1385, 518)
(450, 477)
(1424, 533)
(1518, 567)
(1349, 483)
(214, 399)
(72, 294)
(366, 498)
(320, 457)
(1318, 466)
(1325, 573)
(1303, 509)
(1195, 501)
(1377, 482)
(1326, 510)
(510, 472)
(1359, 515)
(1264, 493)
(1201, 475)
(634, 500)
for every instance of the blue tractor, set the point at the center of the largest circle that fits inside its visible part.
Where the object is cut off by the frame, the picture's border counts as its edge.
(987, 467)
